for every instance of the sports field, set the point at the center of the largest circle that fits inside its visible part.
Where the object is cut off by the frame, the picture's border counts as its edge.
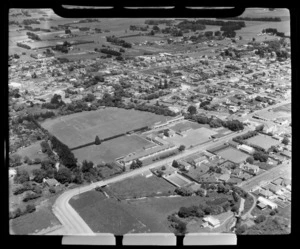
(140, 186)
(80, 128)
(233, 155)
(110, 150)
(263, 141)
(192, 137)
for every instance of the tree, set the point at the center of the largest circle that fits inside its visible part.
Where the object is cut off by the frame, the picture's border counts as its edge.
(192, 109)
(47, 164)
(250, 159)
(181, 148)
(181, 227)
(156, 28)
(262, 157)
(163, 167)
(21, 176)
(86, 166)
(39, 175)
(261, 218)
(285, 141)
(63, 175)
(37, 160)
(97, 140)
(139, 163)
(175, 164)
(15, 160)
(240, 229)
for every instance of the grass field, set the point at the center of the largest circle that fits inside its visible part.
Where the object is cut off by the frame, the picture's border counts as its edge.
(284, 108)
(41, 219)
(112, 149)
(193, 137)
(233, 155)
(263, 140)
(32, 151)
(140, 186)
(81, 128)
(146, 215)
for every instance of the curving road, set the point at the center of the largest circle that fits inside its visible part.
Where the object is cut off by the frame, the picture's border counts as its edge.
(71, 221)
(73, 224)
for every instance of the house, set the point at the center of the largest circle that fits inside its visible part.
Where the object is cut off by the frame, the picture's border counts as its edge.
(198, 161)
(246, 148)
(51, 182)
(274, 188)
(254, 169)
(261, 205)
(237, 172)
(224, 177)
(12, 173)
(267, 202)
(184, 164)
(213, 222)
(265, 193)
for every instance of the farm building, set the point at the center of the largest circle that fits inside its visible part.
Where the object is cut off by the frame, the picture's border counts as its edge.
(267, 202)
(224, 177)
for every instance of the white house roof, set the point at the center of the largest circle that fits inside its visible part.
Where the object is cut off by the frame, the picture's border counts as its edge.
(212, 220)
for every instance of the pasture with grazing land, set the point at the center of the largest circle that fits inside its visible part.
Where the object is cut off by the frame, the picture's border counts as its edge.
(81, 128)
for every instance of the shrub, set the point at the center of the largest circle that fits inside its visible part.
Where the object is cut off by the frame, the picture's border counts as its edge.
(30, 208)
(52, 190)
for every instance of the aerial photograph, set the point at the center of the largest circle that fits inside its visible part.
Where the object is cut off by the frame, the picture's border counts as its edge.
(149, 125)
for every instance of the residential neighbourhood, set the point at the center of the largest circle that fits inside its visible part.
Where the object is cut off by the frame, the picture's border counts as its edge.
(148, 125)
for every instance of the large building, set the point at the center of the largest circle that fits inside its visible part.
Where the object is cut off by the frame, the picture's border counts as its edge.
(211, 221)
(266, 202)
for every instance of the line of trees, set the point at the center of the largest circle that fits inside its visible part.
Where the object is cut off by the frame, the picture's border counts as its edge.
(108, 51)
(117, 41)
(22, 45)
(264, 19)
(273, 32)
(33, 36)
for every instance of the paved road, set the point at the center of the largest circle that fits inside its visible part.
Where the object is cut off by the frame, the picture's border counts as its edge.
(282, 170)
(73, 224)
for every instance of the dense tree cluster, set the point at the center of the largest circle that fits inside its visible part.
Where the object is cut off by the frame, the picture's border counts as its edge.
(178, 225)
(158, 21)
(118, 41)
(55, 102)
(260, 156)
(31, 21)
(108, 51)
(262, 19)
(273, 32)
(136, 164)
(233, 125)
(22, 45)
(66, 156)
(33, 36)
(31, 196)
(190, 25)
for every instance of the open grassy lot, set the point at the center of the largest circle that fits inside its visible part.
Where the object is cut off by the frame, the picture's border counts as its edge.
(263, 140)
(192, 137)
(140, 186)
(233, 155)
(41, 219)
(81, 128)
(32, 151)
(283, 108)
(144, 215)
(112, 149)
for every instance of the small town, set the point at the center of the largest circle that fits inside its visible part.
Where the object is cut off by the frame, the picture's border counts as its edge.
(148, 125)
